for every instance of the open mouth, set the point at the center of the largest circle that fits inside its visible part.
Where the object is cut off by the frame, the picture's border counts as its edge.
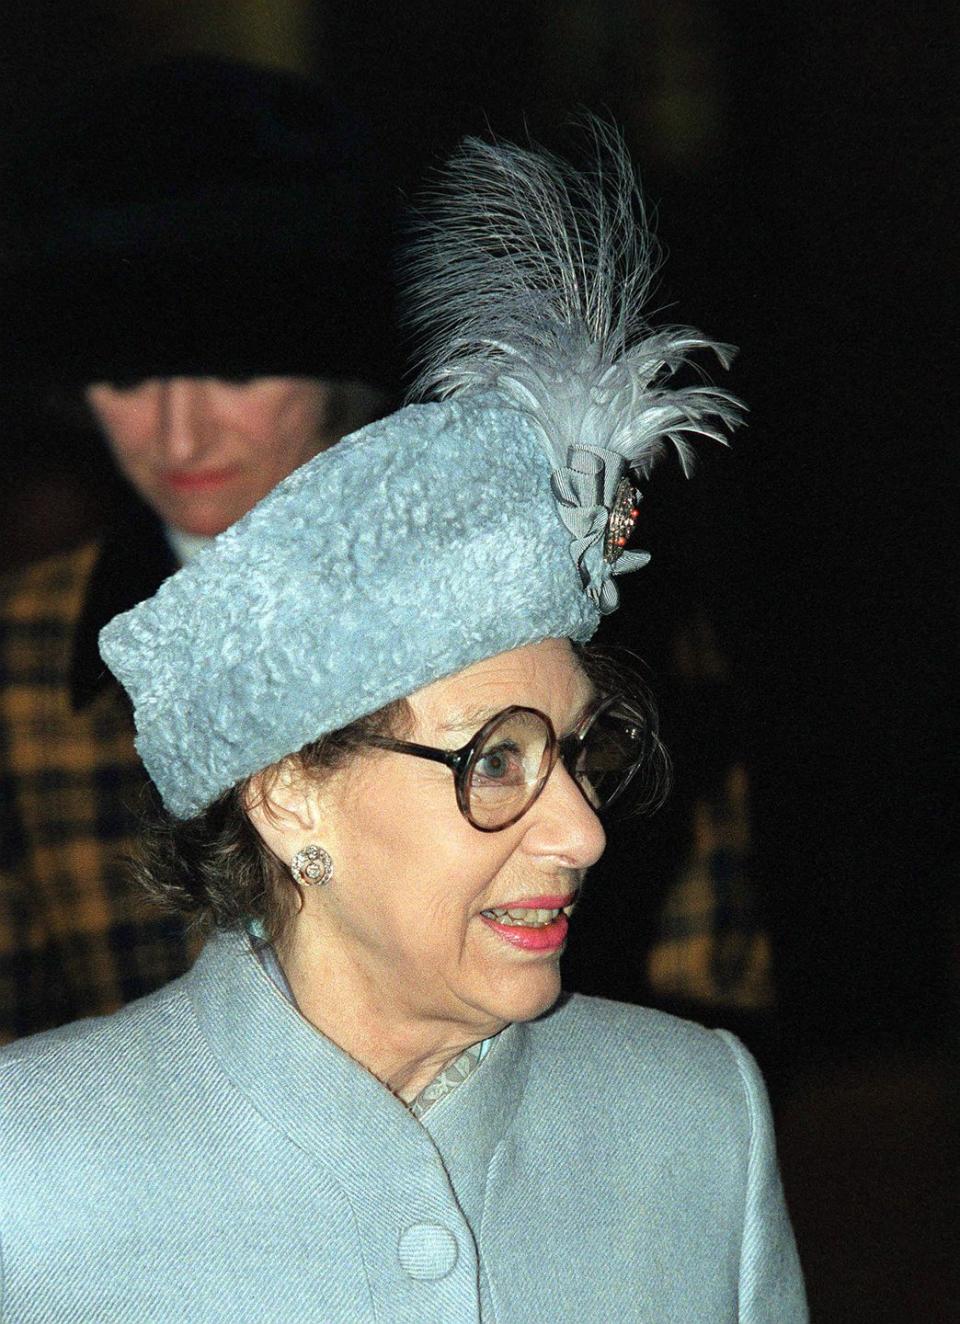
(527, 917)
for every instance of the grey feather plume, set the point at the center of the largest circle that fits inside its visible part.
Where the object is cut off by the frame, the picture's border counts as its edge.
(529, 279)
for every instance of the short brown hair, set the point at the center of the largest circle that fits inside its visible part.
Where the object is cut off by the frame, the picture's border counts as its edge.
(214, 869)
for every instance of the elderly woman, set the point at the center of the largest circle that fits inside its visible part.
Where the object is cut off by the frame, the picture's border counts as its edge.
(383, 749)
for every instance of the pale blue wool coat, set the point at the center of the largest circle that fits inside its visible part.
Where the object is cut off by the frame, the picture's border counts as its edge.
(206, 1155)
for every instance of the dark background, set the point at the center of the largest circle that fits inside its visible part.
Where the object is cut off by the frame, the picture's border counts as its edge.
(801, 162)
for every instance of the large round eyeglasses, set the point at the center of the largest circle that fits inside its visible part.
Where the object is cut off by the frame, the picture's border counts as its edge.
(501, 770)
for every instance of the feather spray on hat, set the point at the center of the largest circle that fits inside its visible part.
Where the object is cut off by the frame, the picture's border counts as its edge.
(528, 281)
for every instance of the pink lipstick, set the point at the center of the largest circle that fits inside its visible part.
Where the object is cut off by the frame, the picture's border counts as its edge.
(532, 938)
(539, 902)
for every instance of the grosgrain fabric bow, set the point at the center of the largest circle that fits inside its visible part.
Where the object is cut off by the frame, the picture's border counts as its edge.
(585, 492)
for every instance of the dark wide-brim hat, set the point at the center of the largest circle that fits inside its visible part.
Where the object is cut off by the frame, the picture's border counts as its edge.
(196, 217)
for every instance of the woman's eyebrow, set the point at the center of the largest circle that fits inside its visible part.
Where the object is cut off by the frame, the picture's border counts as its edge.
(468, 720)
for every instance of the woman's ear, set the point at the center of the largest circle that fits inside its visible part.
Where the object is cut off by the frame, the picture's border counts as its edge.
(281, 803)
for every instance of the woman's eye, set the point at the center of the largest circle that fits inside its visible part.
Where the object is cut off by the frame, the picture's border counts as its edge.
(501, 764)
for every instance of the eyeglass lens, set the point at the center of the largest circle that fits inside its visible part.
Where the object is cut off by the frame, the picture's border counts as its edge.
(607, 756)
(509, 768)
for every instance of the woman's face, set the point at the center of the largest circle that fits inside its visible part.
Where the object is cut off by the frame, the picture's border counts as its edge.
(403, 924)
(202, 451)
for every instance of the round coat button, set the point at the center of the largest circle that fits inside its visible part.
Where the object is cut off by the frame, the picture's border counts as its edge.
(427, 1251)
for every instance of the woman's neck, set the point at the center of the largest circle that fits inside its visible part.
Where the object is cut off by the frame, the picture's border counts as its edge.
(404, 1053)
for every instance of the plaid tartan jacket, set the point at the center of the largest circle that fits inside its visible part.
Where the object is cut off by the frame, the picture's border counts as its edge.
(76, 938)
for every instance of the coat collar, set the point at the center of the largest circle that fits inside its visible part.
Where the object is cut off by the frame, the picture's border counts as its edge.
(134, 560)
(469, 1125)
(331, 1107)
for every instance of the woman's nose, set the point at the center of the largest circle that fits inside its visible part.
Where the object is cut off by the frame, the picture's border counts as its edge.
(563, 824)
(181, 420)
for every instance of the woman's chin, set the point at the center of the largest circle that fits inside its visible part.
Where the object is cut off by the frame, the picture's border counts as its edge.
(526, 998)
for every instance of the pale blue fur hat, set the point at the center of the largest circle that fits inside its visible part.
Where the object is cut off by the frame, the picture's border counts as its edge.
(493, 517)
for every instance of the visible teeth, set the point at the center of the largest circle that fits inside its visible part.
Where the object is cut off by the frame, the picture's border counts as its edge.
(523, 917)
